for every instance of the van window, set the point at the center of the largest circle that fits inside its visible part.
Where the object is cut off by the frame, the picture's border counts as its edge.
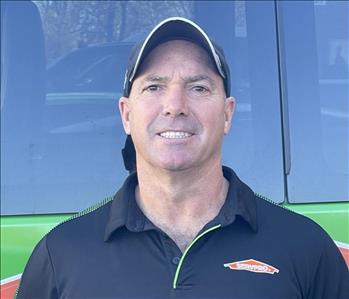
(316, 67)
(62, 76)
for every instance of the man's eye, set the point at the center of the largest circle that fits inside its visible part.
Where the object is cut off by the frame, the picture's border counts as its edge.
(152, 88)
(200, 89)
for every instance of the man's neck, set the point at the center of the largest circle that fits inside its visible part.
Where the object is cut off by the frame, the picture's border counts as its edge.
(181, 203)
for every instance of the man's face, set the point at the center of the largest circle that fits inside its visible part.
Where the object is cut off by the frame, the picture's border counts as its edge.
(177, 112)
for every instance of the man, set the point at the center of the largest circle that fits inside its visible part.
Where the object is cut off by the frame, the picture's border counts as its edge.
(182, 226)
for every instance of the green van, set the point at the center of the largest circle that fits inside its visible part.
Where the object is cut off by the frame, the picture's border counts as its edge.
(62, 69)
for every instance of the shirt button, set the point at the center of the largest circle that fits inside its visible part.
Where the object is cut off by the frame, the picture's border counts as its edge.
(176, 260)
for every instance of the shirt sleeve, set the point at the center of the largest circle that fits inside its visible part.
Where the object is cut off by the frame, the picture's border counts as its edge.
(38, 279)
(331, 277)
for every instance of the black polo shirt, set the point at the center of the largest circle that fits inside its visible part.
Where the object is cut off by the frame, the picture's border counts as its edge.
(252, 249)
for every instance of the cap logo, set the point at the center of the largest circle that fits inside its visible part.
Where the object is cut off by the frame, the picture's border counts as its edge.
(252, 266)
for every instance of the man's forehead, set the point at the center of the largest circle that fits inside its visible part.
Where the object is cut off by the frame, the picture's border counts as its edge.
(180, 48)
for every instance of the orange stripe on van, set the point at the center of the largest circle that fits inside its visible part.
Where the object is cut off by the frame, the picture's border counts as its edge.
(8, 290)
(345, 253)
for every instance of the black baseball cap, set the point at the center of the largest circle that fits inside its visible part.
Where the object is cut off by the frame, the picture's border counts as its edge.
(174, 28)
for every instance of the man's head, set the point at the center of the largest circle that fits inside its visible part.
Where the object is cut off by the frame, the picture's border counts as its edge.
(176, 106)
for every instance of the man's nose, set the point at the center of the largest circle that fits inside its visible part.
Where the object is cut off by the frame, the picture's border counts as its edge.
(175, 102)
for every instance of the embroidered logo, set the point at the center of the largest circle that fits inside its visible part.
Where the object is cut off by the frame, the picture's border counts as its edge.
(252, 266)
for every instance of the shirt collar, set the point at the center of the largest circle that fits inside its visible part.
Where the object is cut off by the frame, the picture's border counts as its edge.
(124, 210)
(240, 202)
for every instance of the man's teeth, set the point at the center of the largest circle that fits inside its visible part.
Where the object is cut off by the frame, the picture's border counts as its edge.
(175, 134)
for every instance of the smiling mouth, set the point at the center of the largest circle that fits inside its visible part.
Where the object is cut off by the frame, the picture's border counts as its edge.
(175, 134)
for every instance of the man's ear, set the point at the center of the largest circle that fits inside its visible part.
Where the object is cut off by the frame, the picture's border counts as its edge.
(229, 109)
(124, 107)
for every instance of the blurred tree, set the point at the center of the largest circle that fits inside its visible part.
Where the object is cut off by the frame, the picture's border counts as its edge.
(69, 25)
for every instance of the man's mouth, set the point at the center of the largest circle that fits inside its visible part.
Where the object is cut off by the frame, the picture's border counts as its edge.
(175, 134)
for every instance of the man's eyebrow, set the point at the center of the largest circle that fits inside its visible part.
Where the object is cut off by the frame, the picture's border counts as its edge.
(188, 79)
(192, 79)
(156, 78)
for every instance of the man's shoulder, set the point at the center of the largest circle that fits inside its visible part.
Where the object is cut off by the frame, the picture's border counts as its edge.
(274, 220)
(271, 213)
(290, 228)
(300, 247)
(87, 224)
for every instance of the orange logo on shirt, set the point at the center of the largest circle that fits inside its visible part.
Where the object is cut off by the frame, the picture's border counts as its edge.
(252, 266)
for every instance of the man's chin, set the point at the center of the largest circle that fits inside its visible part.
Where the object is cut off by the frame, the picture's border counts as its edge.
(175, 165)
